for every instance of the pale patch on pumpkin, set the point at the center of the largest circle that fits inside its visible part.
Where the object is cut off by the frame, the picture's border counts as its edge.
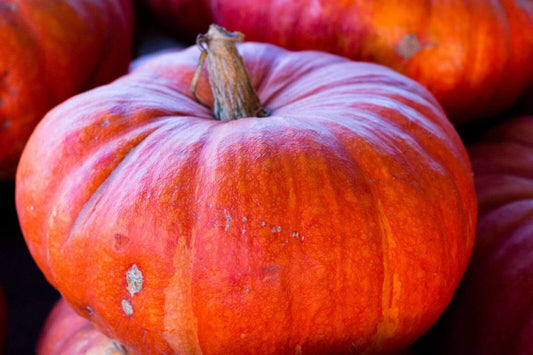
(180, 323)
(134, 279)
(127, 307)
(408, 46)
(298, 350)
(228, 219)
(390, 289)
(276, 229)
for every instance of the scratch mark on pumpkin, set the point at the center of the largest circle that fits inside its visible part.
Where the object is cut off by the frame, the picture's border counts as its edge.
(134, 279)
(276, 229)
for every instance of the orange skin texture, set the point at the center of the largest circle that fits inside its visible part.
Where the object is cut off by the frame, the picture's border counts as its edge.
(475, 56)
(51, 50)
(66, 332)
(342, 222)
(492, 312)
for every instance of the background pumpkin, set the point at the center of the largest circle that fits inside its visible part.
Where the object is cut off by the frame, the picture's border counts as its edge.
(66, 332)
(175, 232)
(51, 50)
(185, 19)
(475, 56)
(492, 311)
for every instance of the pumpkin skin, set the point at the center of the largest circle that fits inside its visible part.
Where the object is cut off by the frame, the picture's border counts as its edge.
(66, 332)
(474, 56)
(185, 19)
(341, 222)
(51, 50)
(491, 312)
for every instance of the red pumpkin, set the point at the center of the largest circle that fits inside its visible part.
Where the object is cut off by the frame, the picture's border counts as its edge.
(492, 312)
(475, 56)
(343, 221)
(185, 19)
(66, 332)
(51, 50)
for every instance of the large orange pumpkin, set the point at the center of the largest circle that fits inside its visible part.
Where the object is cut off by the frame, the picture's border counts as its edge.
(492, 312)
(343, 221)
(51, 50)
(67, 333)
(474, 55)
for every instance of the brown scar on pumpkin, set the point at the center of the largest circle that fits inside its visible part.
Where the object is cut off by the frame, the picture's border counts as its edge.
(410, 45)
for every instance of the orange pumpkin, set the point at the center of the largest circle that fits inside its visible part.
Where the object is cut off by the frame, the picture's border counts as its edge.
(343, 221)
(51, 50)
(474, 55)
(492, 311)
(66, 332)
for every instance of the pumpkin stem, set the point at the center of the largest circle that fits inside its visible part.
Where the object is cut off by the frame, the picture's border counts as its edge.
(235, 97)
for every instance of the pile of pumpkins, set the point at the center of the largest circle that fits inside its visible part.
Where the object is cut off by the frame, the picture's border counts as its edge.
(306, 191)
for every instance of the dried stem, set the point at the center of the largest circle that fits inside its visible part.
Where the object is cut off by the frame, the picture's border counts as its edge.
(235, 97)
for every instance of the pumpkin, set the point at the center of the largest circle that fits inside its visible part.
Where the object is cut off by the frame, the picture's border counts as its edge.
(332, 209)
(51, 50)
(185, 19)
(475, 56)
(66, 332)
(491, 312)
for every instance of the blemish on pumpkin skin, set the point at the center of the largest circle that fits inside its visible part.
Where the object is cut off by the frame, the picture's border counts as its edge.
(276, 229)
(134, 278)
(126, 307)
(298, 350)
(120, 242)
(228, 219)
(89, 311)
(408, 46)
(5, 124)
